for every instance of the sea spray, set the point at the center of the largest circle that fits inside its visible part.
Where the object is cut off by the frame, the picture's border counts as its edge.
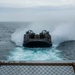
(59, 33)
(17, 36)
(64, 32)
(37, 27)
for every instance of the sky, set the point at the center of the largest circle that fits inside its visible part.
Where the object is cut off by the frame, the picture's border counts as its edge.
(35, 3)
(48, 10)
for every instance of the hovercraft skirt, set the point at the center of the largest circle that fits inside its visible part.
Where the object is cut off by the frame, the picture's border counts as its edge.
(37, 44)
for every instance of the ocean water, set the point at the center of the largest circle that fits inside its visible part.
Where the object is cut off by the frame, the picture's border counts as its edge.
(11, 39)
(33, 54)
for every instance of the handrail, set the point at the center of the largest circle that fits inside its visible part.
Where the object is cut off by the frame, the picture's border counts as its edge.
(24, 63)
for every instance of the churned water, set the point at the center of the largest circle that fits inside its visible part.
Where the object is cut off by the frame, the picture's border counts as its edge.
(20, 53)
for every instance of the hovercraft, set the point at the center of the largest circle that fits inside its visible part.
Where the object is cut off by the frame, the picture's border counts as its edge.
(42, 39)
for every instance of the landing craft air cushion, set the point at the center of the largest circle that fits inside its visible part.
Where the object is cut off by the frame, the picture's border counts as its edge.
(42, 39)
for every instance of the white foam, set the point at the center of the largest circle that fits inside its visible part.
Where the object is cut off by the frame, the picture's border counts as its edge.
(34, 54)
(62, 33)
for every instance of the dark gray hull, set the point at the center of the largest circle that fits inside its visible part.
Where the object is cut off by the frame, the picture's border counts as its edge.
(42, 39)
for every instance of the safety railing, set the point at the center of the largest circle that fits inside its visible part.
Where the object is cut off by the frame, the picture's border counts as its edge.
(37, 68)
